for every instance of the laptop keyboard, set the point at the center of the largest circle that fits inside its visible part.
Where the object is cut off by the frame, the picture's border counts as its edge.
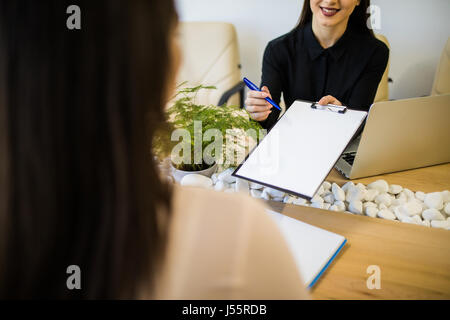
(349, 157)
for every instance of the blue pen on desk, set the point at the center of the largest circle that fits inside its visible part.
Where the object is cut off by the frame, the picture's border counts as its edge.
(252, 86)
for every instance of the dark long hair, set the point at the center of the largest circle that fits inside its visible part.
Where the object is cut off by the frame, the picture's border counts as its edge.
(357, 21)
(78, 183)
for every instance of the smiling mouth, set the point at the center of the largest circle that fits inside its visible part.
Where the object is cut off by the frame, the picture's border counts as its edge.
(329, 12)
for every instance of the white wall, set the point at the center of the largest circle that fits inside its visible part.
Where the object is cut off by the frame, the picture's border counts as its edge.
(416, 29)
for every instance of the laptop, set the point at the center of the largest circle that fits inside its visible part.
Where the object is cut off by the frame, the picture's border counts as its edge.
(400, 135)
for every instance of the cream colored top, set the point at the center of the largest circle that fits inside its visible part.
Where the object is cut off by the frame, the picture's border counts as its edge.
(225, 246)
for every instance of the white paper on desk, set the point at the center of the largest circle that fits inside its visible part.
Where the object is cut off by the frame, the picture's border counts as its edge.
(313, 248)
(301, 149)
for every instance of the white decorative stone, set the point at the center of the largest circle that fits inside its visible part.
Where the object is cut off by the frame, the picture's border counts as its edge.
(226, 176)
(409, 194)
(369, 204)
(242, 186)
(338, 193)
(361, 186)
(395, 189)
(440, 224)
(300, 201)
(381, 185)
(398, 202)
(407, 219)
(254, 185)
(447, 209)
(383, 199)
(382, 206)
(326, 185)
(265, 195)
(371, 211)
(274, 193)
(434, 200)
(340, 205)
(220, 186)
(417, 219)
(371, 194)
(432, 214)
(347, 185)
(288, 199)
(279, 199)
(255, 193)
(320, 191)
(355, 194)
(214, 178)
(420, 195)
(446, 196)
(318, 205)
(316, 198)
(414, 206)
(334, 208)
(326, 205)
(355, 207)
(426, 223)
(386, 214)
(196, 180)
(328, 197)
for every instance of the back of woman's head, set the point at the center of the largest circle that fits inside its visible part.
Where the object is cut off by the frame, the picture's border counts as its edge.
(78, 108)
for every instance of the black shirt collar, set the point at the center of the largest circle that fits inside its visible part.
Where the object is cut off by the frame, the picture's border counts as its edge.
(315, 49)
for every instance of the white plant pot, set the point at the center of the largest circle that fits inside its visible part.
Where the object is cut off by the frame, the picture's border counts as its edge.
(179, 174)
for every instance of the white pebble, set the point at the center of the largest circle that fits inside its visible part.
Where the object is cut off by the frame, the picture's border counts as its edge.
(328, 197)
(334, 208)
(242, 186)
(347, 185)
(320, 191)
(382, 206)
(381, 185)
(226, 176)
(355, 207)
(440, 224)
(196, 180)
(371, 194)
(420, 195)
(369, 204)
(254, 185)
(434, 200)
(407, 219)
(432, 214)
(256, 193)
(288, 199)
(300, 201)
(279, 199)
(445, 196)
(265, 195)
(417, 219)
(326, 205)
(426, 223)
(371, 211)
(274, 193)
(414, 207)
(340, 205)
(326, 185)
(395, 189)
(383, 199)
(447, 209)
(220, 186)
(355, 194)
(318, 205)
(409, 194)
(338, 193)
(398, 202)
(214, 178)
(386, 214)
(317, 198)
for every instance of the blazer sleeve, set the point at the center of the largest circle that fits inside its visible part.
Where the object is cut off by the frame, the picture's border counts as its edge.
(271, 77)
(365, 89)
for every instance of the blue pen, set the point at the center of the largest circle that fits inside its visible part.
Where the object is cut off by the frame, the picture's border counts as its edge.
(252, 86)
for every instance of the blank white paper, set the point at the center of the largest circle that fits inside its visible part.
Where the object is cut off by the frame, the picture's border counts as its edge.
(301, 149)
(311, 247)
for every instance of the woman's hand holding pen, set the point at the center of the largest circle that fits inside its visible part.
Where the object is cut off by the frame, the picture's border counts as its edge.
(256, 104)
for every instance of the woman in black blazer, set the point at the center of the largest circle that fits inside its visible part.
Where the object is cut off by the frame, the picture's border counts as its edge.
(332, 57)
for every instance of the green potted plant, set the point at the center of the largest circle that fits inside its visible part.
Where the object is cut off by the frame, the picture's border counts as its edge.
(199, 138)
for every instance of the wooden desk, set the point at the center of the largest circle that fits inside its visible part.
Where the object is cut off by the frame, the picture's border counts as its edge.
(414, 260)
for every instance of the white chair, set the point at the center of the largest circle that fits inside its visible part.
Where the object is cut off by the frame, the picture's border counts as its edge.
(211, 57)
(441, 83)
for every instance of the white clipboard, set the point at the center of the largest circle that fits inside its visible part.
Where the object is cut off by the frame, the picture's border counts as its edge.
(302, 147)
